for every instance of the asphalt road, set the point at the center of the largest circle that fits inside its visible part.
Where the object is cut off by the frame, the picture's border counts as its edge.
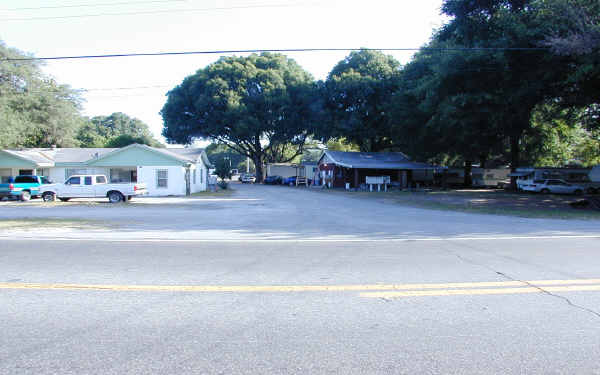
(387, 291)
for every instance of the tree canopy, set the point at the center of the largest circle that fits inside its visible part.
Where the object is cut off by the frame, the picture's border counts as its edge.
(358, 93)
(261, 106)
(35, 111)
(115, 130)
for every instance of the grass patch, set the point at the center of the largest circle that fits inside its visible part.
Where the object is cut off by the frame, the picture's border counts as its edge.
(218, 193)
(35, 224)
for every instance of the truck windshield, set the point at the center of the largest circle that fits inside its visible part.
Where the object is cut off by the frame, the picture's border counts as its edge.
(45, 180)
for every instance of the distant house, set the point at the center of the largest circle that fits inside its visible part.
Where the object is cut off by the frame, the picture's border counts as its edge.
(339, 168)
(165, 171)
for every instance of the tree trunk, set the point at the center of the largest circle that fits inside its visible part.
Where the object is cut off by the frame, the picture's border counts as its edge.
(258, 168)
(468, 182)
(515, 151)
(482, 161)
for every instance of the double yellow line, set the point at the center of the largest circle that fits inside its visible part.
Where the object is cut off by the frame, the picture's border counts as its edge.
(366, 290)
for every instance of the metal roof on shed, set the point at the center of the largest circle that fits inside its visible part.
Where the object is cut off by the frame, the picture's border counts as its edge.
(374, 160)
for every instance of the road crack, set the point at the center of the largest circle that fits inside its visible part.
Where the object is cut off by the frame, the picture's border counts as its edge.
(524, 282)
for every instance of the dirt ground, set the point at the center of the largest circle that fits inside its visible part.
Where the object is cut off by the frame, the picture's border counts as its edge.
(496, 201)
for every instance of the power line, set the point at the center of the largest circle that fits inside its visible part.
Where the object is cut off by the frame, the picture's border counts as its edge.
(155, 12)
(96, 5)
(124, 88)
(272, 50)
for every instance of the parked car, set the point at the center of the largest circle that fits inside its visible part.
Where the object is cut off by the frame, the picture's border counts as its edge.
(248, 178)
(92, 186)
(273, 180)
(555, 186)
(289, 181)
(23, 188)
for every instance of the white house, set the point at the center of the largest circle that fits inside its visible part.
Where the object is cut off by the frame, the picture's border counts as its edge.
(165, 171)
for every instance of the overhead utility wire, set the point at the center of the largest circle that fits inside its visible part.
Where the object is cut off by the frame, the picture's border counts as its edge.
(155, 12)
(271, 50)
(96, 5)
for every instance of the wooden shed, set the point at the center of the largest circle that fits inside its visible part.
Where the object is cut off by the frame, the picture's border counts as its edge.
(337, 168)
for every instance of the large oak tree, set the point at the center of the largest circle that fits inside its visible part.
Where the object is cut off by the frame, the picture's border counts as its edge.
(261, 106)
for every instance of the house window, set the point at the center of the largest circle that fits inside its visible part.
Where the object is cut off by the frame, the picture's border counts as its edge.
(121, 175)
(195, 177)
(162, 178)
(25, 172)
(201, 174)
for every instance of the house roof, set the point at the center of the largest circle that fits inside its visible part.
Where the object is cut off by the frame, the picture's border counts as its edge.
(78, 155)
(53, 156)
(374, 160)
(188, 154)
(32, 155)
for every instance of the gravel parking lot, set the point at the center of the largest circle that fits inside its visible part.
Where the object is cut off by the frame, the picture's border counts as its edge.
(267, 212)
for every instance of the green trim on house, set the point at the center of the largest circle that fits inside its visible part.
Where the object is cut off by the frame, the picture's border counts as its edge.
(71, 165)
(8, 160)
(133, 156)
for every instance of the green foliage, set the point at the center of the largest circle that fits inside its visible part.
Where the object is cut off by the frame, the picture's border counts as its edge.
(128, 139)
(35, 111)
(357, 98)
(341, 144)
(115, 130)
(554, 140)
(222, 169)
(217, 152)
(258, 105)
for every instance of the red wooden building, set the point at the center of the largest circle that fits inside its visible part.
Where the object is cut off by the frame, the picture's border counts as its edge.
(339, 168)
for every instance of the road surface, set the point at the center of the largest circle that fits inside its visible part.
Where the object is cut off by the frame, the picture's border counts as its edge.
(283, 287)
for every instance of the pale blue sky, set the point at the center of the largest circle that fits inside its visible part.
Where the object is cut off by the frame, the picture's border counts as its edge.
(193, 25)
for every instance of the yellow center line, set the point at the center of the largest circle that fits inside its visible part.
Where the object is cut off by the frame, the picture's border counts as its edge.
(470, 292)
(410, 288)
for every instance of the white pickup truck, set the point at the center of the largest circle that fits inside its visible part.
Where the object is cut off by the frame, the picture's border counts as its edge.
(91, 186)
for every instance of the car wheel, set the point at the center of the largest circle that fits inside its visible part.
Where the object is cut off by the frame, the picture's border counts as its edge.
(591, 190)
(545, 191)
(25, 196)
(64, 199)
(48, 197)
(578, 192)
(115, 197)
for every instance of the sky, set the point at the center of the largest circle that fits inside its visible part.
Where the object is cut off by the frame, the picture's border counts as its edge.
(137, 85)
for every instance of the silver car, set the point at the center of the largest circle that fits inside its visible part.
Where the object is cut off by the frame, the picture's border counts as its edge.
(555, 186)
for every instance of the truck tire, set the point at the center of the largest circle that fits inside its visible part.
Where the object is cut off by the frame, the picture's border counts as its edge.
(48, 197)
(115, 197)
(64, 199)
(25, 196)
(545, 191)
(591, 190)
